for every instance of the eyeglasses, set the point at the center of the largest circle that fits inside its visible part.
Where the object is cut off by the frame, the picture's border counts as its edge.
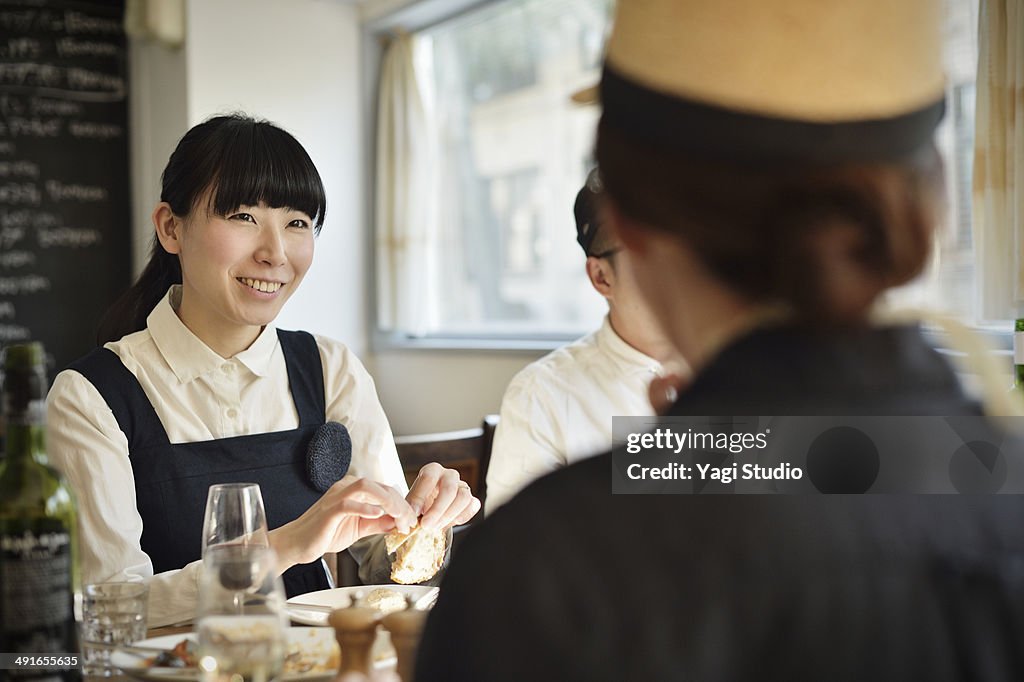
(607, 254)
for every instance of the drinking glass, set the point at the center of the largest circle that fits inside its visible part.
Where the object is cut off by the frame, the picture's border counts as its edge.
(241, 615)
(235, 515)
(112, 613)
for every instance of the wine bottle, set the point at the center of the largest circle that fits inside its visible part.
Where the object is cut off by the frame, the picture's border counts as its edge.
(38, 531)
(1018, 354)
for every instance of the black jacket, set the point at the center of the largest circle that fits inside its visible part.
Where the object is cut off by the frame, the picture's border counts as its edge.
(568, 582)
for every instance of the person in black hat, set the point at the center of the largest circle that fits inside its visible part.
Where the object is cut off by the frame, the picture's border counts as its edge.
(770, 168)
(559, 409)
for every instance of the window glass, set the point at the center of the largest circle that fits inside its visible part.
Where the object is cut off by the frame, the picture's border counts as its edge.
(514, 150)
(949, 282)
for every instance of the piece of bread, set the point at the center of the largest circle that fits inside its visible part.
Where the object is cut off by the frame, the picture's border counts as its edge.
(385, 600)
(418, 554)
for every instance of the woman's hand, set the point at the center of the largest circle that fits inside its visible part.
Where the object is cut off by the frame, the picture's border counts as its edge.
(441, 498)
(351, 509)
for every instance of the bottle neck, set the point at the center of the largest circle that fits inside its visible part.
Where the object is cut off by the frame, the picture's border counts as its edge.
(25, 434)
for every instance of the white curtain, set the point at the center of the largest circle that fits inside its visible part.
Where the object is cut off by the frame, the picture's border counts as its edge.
(999, 159)
(406, 221)
(161, 21)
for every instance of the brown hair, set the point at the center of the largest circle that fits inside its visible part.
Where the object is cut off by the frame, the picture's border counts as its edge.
(755, 227)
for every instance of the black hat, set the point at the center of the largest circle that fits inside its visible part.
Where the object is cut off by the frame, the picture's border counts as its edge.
(585, 210)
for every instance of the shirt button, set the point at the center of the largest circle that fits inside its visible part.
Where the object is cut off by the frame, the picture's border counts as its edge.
(227, 367)
(232, 413)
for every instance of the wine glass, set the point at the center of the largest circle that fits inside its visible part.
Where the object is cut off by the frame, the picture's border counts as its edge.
(241, 617)
(235, 515)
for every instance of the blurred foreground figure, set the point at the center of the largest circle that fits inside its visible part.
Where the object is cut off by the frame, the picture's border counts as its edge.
(770, 168)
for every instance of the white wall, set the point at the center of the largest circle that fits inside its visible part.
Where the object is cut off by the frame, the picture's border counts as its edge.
(158, 115)
(297, 63)
(443, 390)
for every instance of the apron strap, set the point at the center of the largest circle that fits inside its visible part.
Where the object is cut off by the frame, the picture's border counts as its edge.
(305, 376)
(124, 396)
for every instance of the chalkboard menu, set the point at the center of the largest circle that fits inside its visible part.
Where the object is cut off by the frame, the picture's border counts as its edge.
(65, 233)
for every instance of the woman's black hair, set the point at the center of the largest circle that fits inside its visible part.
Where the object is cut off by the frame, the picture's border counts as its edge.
(229, 161)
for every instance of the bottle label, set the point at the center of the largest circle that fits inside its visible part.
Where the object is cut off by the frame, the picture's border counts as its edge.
(35, 591)
(1018, 348)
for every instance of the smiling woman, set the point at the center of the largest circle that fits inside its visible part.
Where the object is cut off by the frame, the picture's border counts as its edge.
(237, 270)
(220, 167)
(196, 387)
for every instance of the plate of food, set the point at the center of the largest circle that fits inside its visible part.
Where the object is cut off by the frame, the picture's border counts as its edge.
(312, 657)
(313, 608)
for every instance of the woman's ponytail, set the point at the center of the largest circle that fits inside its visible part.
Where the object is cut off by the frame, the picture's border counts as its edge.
(129, 312)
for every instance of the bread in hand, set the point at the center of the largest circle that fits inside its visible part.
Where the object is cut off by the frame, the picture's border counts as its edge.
(418, 554)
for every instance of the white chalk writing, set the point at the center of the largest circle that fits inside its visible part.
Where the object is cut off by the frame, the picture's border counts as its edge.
(16, 169)
(68, 236)
(58, 191)
(14, 332)
(76, 22)
(20, 193)
(21, 48)
(54, 107)
(16, 259)
(103, 131)
(71, 47)
(25, 284)
(25, 217)
(19, 126)
(9, 236)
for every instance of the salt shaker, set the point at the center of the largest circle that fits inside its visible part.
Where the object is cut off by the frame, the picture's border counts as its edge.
(405, 627)
(355, 628)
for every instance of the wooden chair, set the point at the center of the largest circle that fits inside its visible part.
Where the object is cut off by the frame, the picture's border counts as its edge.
(468, 451)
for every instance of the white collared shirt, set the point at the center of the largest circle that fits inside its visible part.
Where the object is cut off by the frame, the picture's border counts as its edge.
(198, 396)
(559, 409)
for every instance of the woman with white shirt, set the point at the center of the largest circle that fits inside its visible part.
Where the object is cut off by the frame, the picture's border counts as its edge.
(195, 386)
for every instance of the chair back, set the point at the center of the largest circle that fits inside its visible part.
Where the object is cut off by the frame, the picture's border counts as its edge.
(468, 451)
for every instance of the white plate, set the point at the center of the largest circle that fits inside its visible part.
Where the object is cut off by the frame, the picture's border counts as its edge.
(318, 643)
(340, 597)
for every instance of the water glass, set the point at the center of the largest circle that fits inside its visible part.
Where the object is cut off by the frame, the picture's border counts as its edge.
(235, 515)
(242, 618)
(112, 613)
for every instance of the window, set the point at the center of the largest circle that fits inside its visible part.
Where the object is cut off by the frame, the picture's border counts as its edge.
(949, 282)
(514, 150)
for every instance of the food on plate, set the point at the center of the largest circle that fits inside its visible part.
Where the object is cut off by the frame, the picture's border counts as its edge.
(385, 600)
(183, 655)
(312, 654)
(418, 554)
(309, 653)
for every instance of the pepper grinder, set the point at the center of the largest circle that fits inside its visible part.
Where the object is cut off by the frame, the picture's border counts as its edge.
(355, 628)
(406, 627)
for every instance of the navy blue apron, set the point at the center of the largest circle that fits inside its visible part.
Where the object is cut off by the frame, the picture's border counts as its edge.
(172, 480)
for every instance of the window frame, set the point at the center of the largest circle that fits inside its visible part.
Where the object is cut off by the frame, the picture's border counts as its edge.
(418, 15)
(412, 16)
